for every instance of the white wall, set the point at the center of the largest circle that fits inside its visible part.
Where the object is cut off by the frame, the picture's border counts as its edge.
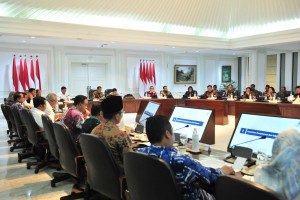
(7, 52)
(121, 65)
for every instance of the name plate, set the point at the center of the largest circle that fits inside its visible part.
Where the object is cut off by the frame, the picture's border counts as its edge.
(272, 101)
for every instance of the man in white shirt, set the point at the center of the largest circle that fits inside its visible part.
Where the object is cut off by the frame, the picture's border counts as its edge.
(51, 105)
(63, 94)
(296, 96)
(38, 110)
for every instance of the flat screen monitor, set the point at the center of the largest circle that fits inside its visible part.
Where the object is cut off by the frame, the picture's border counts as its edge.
(184, 120)
(251, 127)
(149, 111)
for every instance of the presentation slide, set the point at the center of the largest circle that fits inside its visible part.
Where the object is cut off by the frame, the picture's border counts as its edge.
(149, 111)
(252, 127)
(193, 117)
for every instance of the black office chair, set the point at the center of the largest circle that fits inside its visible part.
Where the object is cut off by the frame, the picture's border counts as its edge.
(22, 132)
(103, 174)
(14, 138)
(128, 96)
(91, 91)
(149, 178)
(107, 91)
(70, 159)
(40, 146)
(234, 188)
(9, 125)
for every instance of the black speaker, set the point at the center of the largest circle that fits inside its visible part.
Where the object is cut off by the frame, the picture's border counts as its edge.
(243, 152)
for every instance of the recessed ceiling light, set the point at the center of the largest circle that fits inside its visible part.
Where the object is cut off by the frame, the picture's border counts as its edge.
(173, 47)
(32, 37)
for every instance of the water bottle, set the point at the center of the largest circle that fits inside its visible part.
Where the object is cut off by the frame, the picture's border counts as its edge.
(250, 96)
(195, 140)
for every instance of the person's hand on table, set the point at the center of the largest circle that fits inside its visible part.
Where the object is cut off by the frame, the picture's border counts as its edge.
(58, 116)
(227, 170)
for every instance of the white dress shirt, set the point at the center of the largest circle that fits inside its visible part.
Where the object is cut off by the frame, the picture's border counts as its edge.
(37, 115)
(49, 111)
(60, 96)
(28, 105)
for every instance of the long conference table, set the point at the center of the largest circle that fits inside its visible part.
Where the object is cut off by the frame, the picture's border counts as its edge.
(222, 108)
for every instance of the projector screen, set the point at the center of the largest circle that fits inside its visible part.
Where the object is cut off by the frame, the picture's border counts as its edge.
(193, 117)
(251, 126)
(149, 111)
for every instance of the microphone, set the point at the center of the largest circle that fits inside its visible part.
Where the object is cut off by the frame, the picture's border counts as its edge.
(262, 137)
(181, 128)
(244, 152)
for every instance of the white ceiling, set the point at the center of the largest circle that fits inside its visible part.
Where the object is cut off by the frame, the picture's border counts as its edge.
(194, 26)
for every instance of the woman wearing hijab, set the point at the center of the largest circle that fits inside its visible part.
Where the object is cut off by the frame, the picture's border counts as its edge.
(283, 174)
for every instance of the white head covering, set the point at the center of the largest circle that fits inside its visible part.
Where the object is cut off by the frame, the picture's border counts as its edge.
(283, 174)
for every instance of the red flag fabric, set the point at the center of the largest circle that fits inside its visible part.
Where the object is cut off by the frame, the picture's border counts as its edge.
(153, 73)
(15, 75)
(32, 76)
(37, 72)
(145, 72)
(141, 71)
(149, 73)
(25, 71)
(21, 75)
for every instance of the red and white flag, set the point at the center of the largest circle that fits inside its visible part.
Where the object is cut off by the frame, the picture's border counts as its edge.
(37, 74)
(32, 75)
(21, 76)
(153, 73)
(25, 71)
(15, 75)
(147, 76)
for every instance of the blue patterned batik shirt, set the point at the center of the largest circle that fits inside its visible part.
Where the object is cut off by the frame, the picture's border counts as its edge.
(190, 175)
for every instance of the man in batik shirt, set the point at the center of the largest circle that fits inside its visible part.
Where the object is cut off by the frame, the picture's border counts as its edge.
(118, 140)
(190, 175)
(76, 115)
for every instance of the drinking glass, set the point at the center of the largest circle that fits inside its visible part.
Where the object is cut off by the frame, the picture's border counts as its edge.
(262, 158)
(182, 147)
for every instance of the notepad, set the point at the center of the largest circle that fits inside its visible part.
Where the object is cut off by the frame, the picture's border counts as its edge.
(239, 163)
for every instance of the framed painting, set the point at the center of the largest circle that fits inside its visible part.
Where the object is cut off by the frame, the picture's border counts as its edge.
(185, 74)
(226, 74)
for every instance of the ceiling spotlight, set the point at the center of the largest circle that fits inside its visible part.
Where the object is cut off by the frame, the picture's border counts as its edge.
(32, 37)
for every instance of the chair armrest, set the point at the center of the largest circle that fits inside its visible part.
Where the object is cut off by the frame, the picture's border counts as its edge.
(122, 181)
(80, 167)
